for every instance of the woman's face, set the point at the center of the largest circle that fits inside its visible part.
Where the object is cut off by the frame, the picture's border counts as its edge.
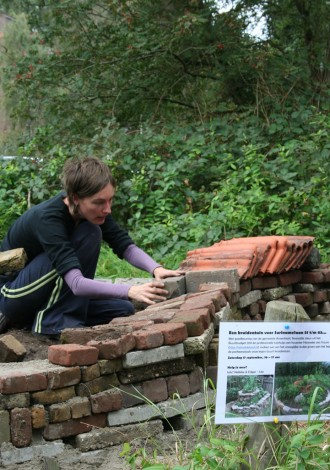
(95, 208)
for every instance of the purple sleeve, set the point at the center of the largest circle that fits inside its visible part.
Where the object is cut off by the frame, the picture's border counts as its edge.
(140, 259)
(84, 287)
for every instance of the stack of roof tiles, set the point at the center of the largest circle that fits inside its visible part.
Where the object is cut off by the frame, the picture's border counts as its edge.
(252, 256)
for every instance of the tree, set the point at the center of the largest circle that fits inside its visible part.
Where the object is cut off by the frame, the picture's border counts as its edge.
(131, 61)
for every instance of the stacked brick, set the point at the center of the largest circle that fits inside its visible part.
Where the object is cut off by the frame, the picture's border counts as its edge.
(310, 289)
(106, 376)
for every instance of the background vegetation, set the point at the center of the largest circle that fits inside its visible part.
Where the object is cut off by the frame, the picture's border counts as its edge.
(211, 133)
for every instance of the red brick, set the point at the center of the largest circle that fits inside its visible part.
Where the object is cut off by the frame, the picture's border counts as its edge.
(98, 332)
(305, 298)
(148, 339)
(217, 297)
(262, 306)
(59, 412)
(289, 278)
(38, 416)
(289, 298)
(105, 382)
(134, 321)
(222, 286)
(267, 282)
(13, 382)
(72, 355)
(79, 407)
(313, 277)
(211, 373)
(234, 299)
(64, 377)
(202, 301)
(196, 380)
(320, 296)
(155, 390)
(253, 309)
(170, 303)
(90, 372)
(312, 310)
(173, 333)
(72, 427)
(21, 427)
(245, 287)
(48, 397)
(325, 308)
(178, 384)
(127, 343)
(113, 348)
(36, 382)
(103, 402)
(196, 321)
(132, 395)
(160, 316)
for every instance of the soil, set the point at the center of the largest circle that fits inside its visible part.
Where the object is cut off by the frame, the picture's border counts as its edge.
(165, 445)
(36, 348)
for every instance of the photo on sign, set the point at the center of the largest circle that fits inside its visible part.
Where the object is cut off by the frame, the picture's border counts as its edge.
(295, 385)
(249, 395)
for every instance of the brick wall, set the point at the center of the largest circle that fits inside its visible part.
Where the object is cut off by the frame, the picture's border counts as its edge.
(105, 377)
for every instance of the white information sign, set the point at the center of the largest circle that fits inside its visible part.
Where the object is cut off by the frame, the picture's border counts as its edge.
(273, 371)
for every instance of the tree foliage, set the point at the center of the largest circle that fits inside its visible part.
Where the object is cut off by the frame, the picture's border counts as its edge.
(210, 132)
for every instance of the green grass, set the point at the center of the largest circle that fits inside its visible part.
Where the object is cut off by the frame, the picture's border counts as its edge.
(111, 267)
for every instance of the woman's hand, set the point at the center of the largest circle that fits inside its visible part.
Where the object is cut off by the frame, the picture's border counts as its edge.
(162, 273)
(149, 293)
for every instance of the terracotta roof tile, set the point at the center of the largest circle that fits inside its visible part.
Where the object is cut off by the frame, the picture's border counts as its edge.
(252, 256)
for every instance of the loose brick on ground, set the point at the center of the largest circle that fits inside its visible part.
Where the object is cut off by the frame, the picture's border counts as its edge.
(72, 355)
(11, 350)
